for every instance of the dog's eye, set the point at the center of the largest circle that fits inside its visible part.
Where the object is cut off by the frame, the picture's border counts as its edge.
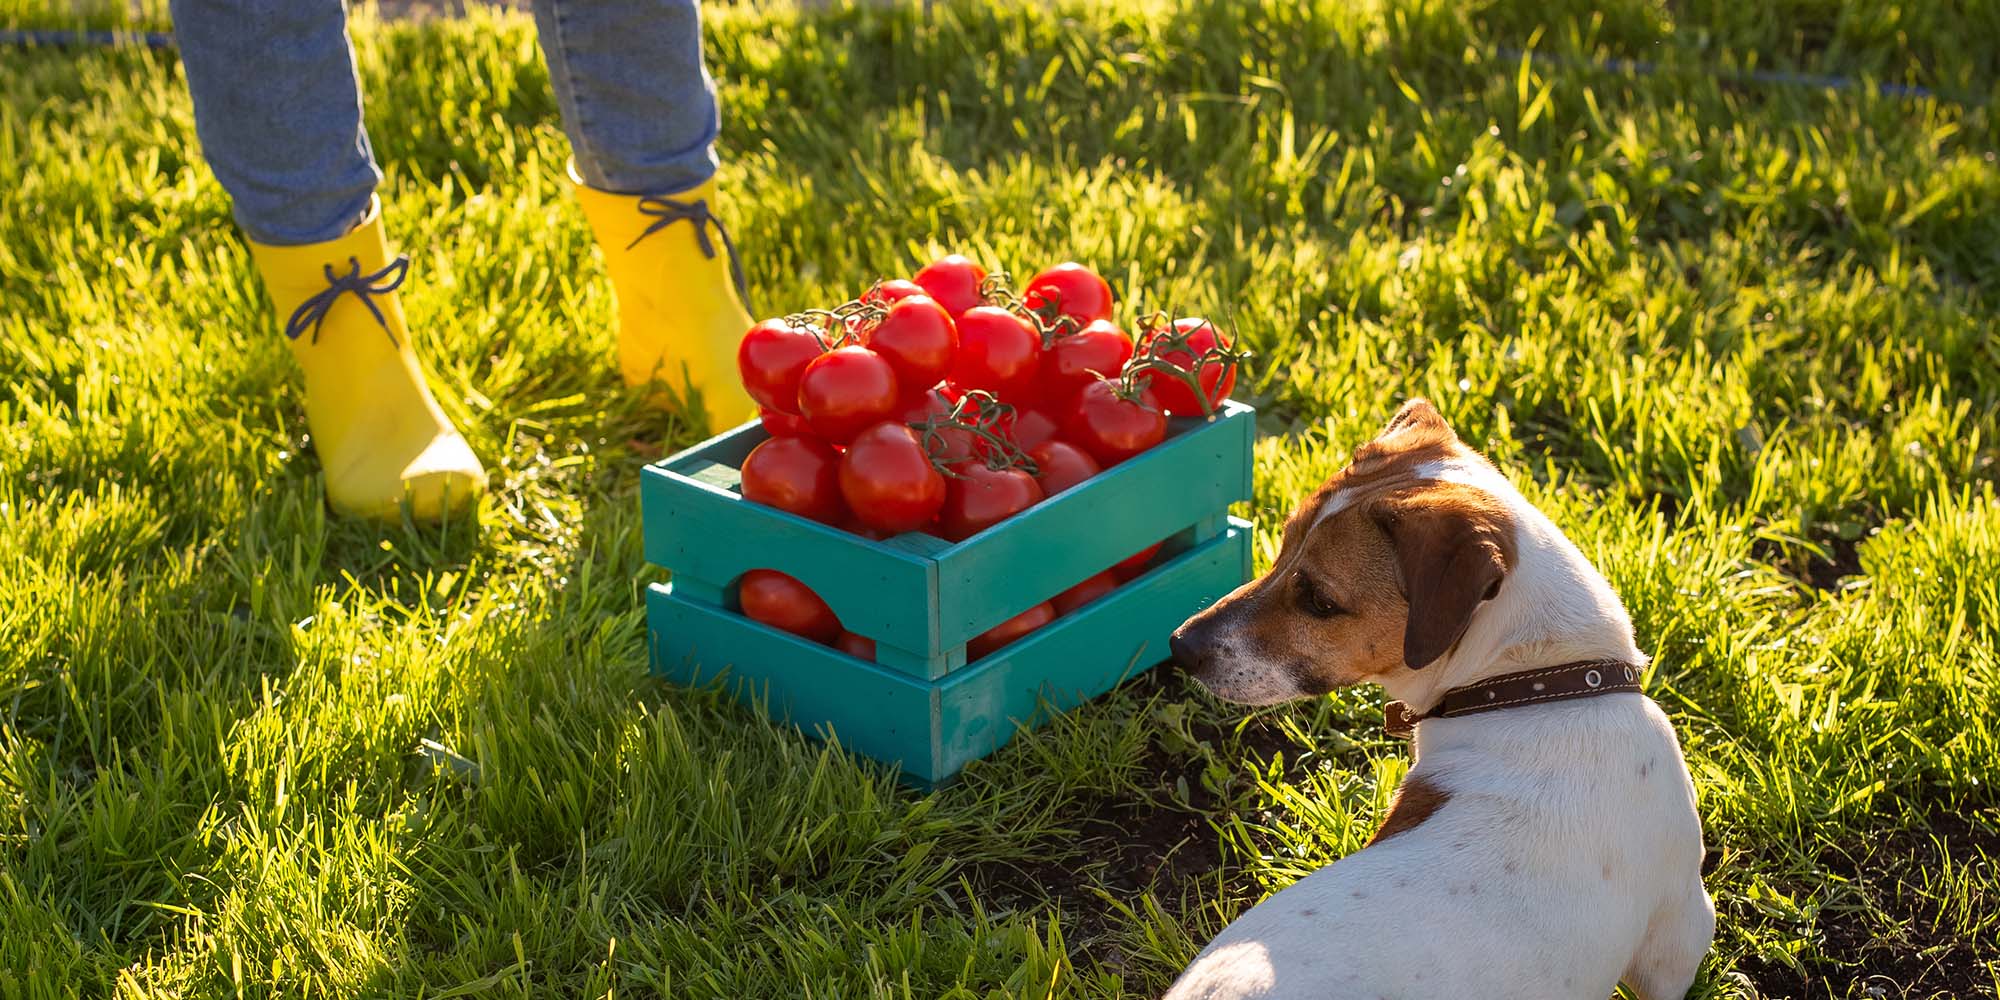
(1314, 600)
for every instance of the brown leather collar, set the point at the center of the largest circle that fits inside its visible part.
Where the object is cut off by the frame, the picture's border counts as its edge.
(1585, 679)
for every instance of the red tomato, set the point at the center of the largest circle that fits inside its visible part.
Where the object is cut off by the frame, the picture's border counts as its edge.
(778, 423)
(859, 647)
(979, 497)
(1062, 465)
(1075, 290)
(1097, 351)
(1085, 592)
(1112, 428)
(931, 403)
(770, 359)
(1032, 425)
(954, 282)
(781, 602)
(888, 480)
(891, 290)
(1216, 379)
(918, 339)
(1136, 563)
(997, 351)
(1013, 628)
(798, 475)
(845, 390)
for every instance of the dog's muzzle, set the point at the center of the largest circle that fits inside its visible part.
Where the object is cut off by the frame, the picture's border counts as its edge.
(1193, 647)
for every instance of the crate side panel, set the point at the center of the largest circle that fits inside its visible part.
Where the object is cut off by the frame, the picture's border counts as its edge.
(878, 713)
(714, 536)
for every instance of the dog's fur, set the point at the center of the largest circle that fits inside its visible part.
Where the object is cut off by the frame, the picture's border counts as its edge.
(1541, 851)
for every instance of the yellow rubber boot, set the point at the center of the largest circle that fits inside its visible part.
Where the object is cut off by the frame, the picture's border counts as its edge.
(382, 440)
(680, 307)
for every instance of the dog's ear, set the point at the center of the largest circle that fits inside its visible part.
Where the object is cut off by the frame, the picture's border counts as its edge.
(1416, 427)
(1454, 545)
(1418, 415)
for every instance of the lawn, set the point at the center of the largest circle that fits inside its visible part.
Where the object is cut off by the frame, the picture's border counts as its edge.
(1737, 335)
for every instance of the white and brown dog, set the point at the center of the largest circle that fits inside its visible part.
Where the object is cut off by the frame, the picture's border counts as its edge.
(1545, 843)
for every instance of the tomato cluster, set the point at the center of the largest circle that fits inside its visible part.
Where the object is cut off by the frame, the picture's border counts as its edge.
(946, 404)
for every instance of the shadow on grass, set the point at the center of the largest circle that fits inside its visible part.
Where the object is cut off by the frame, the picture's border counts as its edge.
(1878, 935)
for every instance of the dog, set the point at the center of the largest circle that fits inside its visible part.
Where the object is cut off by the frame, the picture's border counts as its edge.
(1545, 843)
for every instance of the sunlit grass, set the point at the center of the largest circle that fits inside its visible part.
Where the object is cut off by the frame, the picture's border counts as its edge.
(1739, 342)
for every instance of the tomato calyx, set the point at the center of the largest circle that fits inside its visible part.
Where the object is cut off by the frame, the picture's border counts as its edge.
(983, 417)
(844, 324)
(1051, 320)
(1159, 336)
(1048, 319)
(997, 289)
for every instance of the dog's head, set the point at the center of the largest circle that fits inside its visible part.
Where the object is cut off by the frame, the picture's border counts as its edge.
(1381, 570)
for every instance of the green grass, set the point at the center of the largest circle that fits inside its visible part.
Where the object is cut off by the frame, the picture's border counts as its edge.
(1739, 341)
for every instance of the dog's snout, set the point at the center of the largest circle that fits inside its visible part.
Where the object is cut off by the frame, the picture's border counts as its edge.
(1193, 646)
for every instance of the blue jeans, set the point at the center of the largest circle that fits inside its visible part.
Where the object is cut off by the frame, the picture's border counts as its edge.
(278, 108)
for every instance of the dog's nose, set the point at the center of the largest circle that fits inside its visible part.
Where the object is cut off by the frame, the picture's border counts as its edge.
(1186, 652)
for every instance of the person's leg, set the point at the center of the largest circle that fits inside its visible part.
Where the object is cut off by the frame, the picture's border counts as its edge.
(641, 115)
(278, 112)
(636, 100)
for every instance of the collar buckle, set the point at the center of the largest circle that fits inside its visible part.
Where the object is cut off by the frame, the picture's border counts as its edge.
(1399, 721)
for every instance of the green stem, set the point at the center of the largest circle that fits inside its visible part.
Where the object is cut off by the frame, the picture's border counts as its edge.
(1160, 337)
(820, 322)
(977, 413)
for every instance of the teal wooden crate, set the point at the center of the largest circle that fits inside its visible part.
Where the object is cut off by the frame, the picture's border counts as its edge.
(919, 597)
(934, 727)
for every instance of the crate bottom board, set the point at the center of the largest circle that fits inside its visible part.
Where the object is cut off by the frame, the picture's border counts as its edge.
(934, 728)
